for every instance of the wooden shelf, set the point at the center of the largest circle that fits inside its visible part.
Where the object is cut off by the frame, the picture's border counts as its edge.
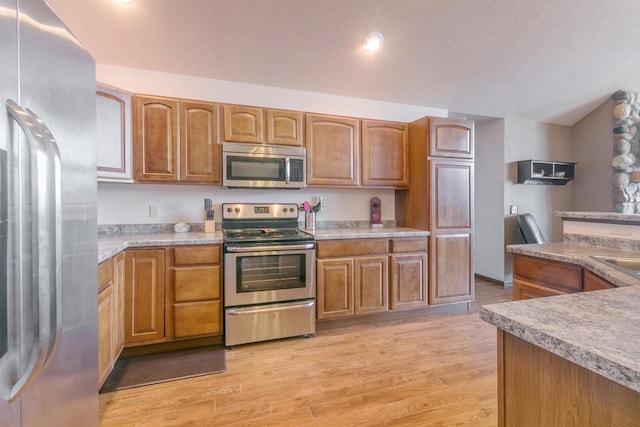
(543, 172)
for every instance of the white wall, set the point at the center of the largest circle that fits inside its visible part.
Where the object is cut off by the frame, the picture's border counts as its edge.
(593, 150)
(530, 140)
(189, 87)
(489, 199)
(129, 203)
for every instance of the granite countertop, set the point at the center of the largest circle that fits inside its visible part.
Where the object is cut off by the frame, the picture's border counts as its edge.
(111, 244)
(598, 330)
(599, 216)
(581, 255)
(366, 233)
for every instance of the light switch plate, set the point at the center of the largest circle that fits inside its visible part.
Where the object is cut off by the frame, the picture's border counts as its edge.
(153, 211)
(513, 209)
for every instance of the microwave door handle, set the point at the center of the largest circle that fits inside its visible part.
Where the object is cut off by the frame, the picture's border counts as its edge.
(54, 232)
(287, 170)
(42, 316)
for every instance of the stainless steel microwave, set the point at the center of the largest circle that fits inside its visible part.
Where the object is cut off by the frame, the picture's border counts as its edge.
(263, 166)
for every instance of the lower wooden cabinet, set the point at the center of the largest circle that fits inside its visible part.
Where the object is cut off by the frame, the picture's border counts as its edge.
(408, 281)
(371, 288)
(451, 268)
(593, 282)
(144, 296)
(525, 290)
(364, 276)
(194, 291)
(105, 320)
(537, 277)
(110, 314)
(335, 293)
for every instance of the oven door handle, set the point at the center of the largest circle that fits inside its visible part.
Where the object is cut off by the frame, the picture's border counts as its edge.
(270, 307)
(245, 249)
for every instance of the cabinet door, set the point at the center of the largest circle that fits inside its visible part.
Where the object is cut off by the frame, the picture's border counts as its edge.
(385, 154)
(451, 138)
(155, 138)
(105, 335)
(199, 149)
(408, 281)
(593, 282)
(451, 194)
(118, 299)
(284, 128)
(451, 269)
(243, 124)
(371, 288)
(333, 150)
(526, 290)
(113, 124)
(144, 296)
(335, 288)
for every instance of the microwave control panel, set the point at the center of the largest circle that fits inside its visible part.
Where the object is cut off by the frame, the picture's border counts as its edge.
(296, 172)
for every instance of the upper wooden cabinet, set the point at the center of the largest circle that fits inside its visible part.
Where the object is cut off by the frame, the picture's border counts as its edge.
(113, 124)
(243, 124)
(451, 138)
(262, 126)
(385, 154)
(199, 149)
(333, 150)
(163, 154)
(440, 199)
(285, 128)
(155, 138)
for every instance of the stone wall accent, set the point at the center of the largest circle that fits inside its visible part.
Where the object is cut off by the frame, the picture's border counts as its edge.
(626, 152)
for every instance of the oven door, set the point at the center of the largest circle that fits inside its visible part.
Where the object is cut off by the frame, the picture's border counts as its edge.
(257, 274)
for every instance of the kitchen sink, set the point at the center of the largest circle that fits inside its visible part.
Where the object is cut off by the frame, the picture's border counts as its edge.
(625, 264)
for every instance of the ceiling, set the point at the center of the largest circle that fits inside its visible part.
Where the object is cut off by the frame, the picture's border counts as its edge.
(548, 60)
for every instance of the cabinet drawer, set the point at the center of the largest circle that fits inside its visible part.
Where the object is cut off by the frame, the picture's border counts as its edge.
(105, 274)
(197, 318)
(523, 290)
(196, 284)
(408, 245)
(552, 274)
(193, 255)
(355, 247)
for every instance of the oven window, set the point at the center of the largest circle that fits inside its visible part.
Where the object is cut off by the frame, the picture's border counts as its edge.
(256, 169)
(270, 272)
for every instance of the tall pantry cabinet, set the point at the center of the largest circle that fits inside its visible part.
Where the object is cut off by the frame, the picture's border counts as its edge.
(440, 199)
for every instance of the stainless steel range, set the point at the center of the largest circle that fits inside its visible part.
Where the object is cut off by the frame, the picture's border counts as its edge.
(269, 273)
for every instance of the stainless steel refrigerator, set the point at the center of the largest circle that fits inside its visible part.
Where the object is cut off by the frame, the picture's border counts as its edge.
(48, 251)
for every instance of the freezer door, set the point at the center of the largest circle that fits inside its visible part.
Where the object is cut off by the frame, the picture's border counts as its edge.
(10, 414)
(56, 83)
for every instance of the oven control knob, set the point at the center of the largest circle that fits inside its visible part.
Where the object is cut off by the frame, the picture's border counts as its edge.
(237, 210)
(284, 210)
(229, 210)
(291, 210)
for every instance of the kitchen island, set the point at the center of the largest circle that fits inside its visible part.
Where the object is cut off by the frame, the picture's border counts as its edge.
(570, 359)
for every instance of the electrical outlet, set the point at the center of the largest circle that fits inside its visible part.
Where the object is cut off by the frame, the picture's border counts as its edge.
(513, 209)
(620, 230)
(153, 211)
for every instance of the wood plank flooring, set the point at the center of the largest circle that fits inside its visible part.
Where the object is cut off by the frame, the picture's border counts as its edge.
(433, 369)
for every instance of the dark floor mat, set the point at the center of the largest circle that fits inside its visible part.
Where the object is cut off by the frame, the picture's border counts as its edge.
(161, 367)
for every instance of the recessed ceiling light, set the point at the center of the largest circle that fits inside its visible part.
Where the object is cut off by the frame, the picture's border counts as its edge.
(372, 41)
(126, 1)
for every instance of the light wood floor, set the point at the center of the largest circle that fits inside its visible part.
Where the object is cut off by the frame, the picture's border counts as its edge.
(435, 369)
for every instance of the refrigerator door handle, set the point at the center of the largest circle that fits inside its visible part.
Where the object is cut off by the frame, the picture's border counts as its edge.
(40, 280)
(54, 230)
